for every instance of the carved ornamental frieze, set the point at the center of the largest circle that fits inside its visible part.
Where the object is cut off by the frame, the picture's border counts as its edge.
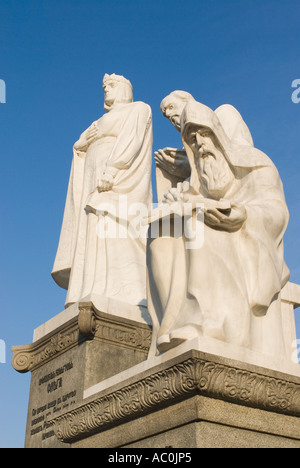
(183, 380)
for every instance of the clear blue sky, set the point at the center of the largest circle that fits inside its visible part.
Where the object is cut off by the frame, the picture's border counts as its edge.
(53, 56)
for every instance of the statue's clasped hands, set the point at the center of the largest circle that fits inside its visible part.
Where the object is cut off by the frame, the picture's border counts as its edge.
(178, 194)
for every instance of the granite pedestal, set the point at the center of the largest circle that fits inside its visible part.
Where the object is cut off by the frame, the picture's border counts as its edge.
(93, 385)
(84, 345)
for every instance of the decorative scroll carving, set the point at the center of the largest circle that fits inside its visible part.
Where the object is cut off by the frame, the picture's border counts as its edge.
(23, 360)
(87, 320)
(90, 324)
(181, 380)
(29, 357)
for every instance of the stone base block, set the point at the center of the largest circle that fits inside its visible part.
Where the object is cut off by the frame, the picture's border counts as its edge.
(93, 384)
(200, 422)
(194, 400)
(70, 354)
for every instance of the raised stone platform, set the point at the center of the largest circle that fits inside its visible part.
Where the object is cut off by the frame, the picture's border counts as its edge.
(82, 346)
(192, 400)
(93, 385)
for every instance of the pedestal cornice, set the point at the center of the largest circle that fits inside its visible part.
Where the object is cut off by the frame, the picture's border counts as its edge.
(90, 323)
(188, 375)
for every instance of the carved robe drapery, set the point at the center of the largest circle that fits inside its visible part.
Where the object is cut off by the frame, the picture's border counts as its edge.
(87, 262)
(227, 289)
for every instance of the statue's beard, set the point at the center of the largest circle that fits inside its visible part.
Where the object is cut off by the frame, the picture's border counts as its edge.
(215, 174)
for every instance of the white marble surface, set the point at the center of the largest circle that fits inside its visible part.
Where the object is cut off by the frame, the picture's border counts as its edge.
(112, 161)
(227, 288)
(172, 165)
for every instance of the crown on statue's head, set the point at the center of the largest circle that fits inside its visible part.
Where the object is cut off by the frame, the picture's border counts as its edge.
(114, 77)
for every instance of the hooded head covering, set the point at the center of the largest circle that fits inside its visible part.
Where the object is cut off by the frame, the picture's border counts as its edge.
(234, 125)
(198, 115)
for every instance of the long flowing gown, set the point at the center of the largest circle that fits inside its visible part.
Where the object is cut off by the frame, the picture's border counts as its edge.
(87, 261)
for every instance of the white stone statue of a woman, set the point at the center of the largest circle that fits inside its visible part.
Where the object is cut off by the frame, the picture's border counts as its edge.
(112, 159)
